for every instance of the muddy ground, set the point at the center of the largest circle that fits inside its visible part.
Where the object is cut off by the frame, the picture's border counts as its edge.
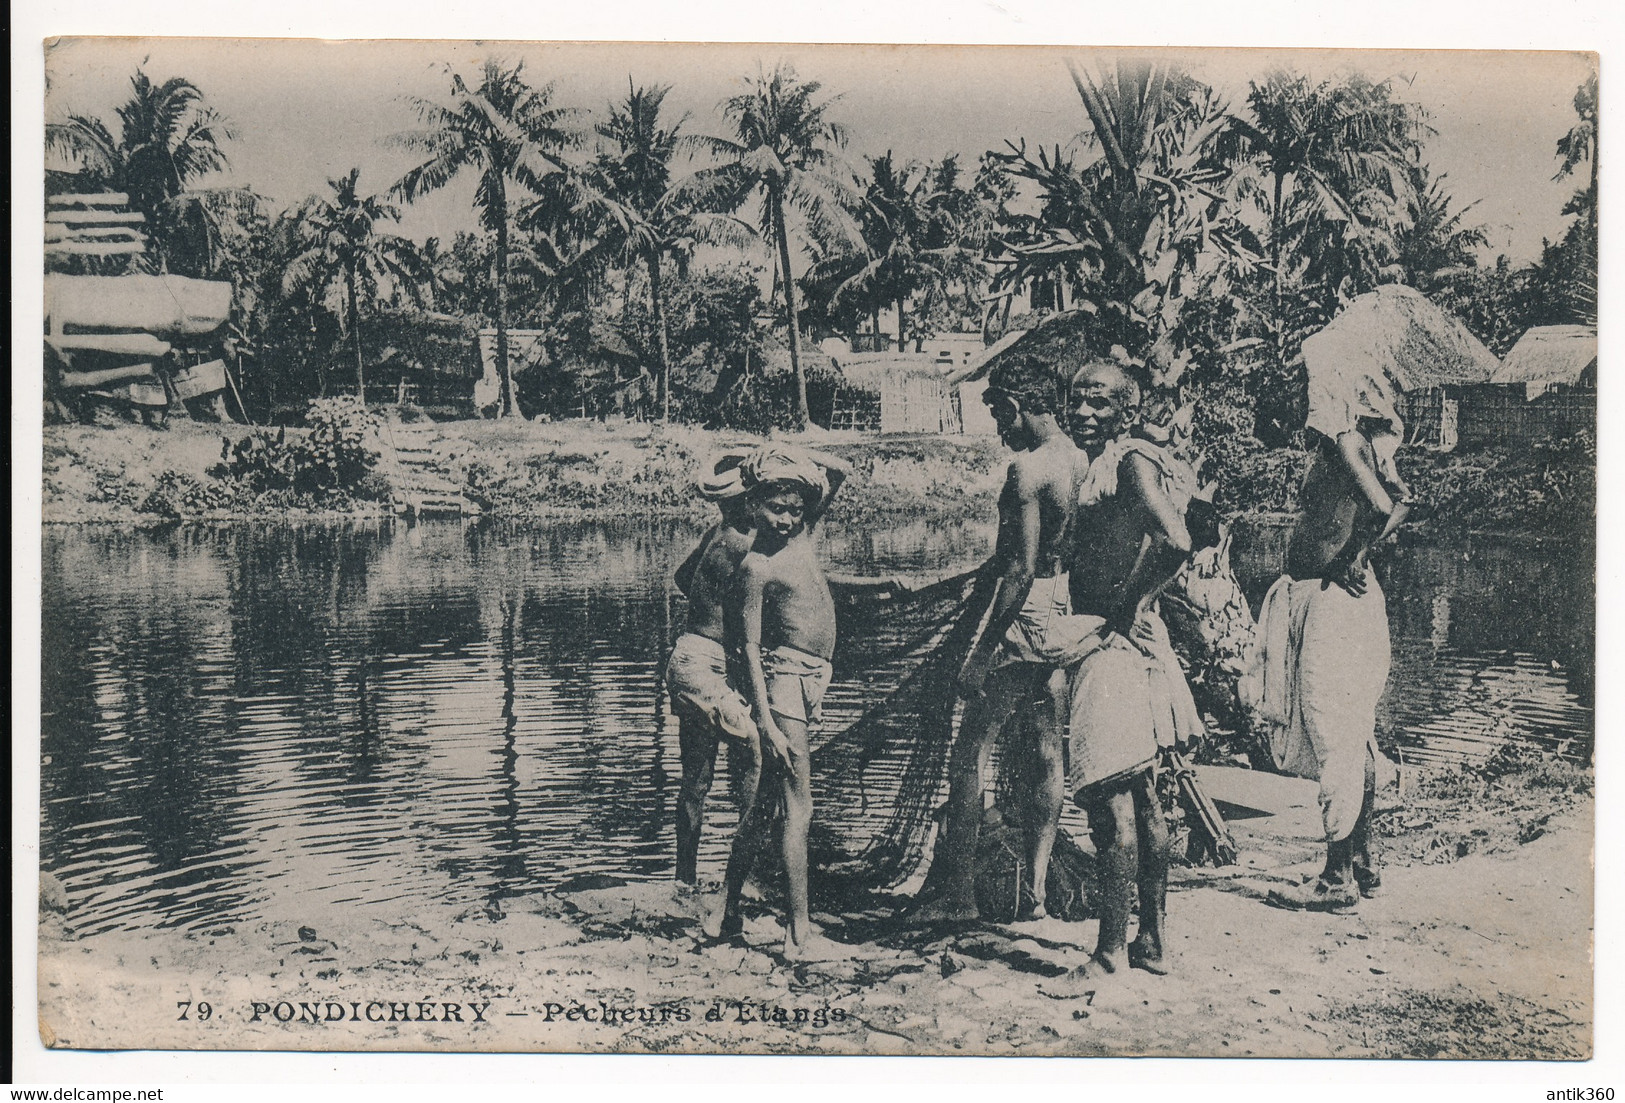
(1480, 946)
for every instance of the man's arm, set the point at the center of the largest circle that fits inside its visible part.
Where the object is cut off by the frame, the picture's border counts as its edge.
(750, 582)
(684, 576)
(1167, 546)
(836, 472)
(1372, 525)
(1022, 531)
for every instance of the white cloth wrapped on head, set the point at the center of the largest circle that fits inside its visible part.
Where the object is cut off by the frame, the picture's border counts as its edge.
(722, 476)
(778, 464)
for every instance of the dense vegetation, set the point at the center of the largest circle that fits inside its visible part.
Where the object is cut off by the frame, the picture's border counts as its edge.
(1206, 238)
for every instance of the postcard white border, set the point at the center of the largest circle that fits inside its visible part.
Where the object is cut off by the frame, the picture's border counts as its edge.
(1387, 24)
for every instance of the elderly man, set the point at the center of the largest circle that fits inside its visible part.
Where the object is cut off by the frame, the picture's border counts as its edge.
(1128, 696)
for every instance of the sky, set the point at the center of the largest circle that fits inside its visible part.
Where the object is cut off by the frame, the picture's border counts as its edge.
(304, 111)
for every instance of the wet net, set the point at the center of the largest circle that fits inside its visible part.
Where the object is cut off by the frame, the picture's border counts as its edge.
(880, 772)
(902, 643)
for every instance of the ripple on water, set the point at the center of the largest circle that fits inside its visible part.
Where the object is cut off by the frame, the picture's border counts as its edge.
(247, 724)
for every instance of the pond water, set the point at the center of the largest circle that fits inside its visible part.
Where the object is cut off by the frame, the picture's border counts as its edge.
(279, 722)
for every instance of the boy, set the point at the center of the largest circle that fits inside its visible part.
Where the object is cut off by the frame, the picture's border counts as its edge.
(1026, 639)
(707, 704)
(784, 618)
(1129, 696)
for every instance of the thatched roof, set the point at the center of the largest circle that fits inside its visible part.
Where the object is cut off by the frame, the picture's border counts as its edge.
(1068, 336)
(166, 306)
(1551, 354)
(1400, 330)
(527, 348)
(871, 371)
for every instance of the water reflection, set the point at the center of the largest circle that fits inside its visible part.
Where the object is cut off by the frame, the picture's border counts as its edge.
(292, 722)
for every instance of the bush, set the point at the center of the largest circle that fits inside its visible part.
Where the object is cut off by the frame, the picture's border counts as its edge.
(333, 458)
(175, 496)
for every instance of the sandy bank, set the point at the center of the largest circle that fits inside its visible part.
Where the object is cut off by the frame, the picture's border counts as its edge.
(1485, 956)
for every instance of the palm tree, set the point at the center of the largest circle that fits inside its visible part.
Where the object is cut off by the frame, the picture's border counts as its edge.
(785, 151)
(167, 140)
(344, 250)
(1437, 244)
(505, 132)
(1580, 144)
(1328, 165)
(647, 220)
(1141, 229)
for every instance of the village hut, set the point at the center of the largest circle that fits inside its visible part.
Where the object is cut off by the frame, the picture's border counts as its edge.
(1396, 341)
(895, 393)
(424, 358)
(1551, 356)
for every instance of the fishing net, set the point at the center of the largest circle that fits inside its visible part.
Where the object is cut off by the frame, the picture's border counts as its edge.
(878, 779)
(880, 770)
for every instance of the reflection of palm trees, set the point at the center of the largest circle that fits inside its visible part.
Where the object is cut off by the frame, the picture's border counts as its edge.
(510, 867)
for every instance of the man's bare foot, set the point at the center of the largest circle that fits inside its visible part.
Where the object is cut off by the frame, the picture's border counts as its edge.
(1144, 954)
(1318, 897)
(943, 909)
(1032, 907)
(721, 927)
(1082, 981)
(814, 947)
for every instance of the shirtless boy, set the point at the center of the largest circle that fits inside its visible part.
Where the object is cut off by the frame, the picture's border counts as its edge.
(785, 620)
(1325, 631)
(708, 706)
(1025, 641)
(1129, 696)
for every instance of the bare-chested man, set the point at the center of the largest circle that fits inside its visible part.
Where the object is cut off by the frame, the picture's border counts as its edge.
(1325, 645)
(1129, 696)
(707, 704)
(785, 619)
(1028, 636)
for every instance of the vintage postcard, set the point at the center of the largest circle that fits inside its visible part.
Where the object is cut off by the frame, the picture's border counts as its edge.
(734, 549)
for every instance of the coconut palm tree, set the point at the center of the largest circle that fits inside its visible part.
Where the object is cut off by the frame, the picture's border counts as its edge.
(647, 221)
(785, 153)
(168, 139)
(1328, 166)
(505, 132)
(344, 251)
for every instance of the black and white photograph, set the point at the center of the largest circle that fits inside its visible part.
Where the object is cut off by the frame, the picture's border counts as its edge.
(681, 548)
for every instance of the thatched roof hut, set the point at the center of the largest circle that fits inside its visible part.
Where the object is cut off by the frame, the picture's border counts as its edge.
(913, 390)
(1552, 354)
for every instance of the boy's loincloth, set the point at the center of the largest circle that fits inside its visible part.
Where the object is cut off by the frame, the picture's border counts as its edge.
(1322, 664)
(1045, 631)
(796, 683)
(697, 676)
(1128, 698)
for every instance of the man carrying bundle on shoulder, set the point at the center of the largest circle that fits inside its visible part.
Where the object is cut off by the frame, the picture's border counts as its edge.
(1324, 651)
(1128, 696)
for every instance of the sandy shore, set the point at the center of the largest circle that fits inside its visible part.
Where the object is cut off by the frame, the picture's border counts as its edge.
(1488, 955)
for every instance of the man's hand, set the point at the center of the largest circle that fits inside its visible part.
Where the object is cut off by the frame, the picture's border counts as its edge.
(774, 742)
(973, 674)
(1350, 576)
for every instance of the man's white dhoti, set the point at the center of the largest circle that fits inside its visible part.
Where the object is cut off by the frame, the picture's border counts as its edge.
(1128, 698)
(1322, 664)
